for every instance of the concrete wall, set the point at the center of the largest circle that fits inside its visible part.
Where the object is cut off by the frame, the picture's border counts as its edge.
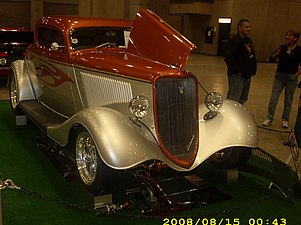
(270, 19)
(111, 8)
(25, 13)
(15, 14)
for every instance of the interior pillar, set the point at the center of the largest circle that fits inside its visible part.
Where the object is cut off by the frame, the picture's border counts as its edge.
(36, 11)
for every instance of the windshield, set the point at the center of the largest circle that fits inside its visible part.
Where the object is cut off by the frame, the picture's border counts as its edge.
(7, 37)
(98, 36)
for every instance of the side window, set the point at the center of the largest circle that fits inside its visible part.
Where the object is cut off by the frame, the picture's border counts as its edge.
(47, 36)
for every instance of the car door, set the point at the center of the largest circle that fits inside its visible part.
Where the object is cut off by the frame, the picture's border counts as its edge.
(54, 88)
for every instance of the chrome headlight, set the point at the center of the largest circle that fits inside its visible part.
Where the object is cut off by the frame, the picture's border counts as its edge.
(213, 102)
(139, 106)
(3, 61)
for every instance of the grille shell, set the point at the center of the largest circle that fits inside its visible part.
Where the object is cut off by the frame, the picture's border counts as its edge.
(176, 115)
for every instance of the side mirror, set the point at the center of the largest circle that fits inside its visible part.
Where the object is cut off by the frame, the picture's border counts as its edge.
(55, 46)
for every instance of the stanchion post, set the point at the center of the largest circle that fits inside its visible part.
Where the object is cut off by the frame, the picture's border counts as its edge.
(1, 211)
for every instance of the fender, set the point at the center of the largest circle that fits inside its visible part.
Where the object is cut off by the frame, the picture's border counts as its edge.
(121, 143)
(25, 91)
(233, 126)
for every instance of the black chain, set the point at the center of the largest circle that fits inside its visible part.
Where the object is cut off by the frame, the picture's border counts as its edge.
(117, 210)
(103, 210)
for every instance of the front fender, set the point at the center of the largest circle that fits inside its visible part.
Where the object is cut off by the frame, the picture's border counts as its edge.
(121, 143)
(233, 126)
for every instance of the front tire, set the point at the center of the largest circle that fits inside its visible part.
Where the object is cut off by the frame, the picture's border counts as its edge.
(91, 168)
(230, 158)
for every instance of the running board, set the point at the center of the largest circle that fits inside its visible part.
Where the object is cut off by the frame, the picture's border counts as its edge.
(40, 115)
(278, 172)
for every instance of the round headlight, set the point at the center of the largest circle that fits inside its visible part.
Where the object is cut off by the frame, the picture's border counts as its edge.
(139, 106)
(3, 61)
(214, 101)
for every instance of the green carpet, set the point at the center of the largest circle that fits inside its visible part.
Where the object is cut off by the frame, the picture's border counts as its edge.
(28, 167)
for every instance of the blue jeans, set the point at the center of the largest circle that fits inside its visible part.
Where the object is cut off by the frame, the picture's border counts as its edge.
(289, 83)
(239, 88)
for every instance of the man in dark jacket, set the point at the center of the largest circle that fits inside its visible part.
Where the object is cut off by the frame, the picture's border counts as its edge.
(241, 62)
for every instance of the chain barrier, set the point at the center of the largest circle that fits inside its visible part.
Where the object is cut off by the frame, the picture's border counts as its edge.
(102, 210)
(118, 209)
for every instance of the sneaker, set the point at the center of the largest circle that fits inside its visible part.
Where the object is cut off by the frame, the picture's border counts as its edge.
(284, 124)
(267, 123)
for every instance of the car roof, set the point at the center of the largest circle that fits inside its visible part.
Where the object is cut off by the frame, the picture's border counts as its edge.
(68, 23)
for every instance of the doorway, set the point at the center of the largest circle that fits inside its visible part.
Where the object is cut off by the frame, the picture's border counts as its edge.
(223, 37)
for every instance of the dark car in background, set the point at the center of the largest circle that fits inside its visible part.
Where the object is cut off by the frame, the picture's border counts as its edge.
(13, 43)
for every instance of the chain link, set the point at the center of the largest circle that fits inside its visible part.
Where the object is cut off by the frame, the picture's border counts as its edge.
(8, 184)
(118, 209)
(2, 186)
(102, 210)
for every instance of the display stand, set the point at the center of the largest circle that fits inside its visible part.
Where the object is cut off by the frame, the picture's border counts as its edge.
(295, 155)
(293, 140)
(232, 175)
(21, 120)
(1, 208)
(96, 202)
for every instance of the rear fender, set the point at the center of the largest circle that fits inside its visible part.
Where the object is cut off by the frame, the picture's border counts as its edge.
(24, 88)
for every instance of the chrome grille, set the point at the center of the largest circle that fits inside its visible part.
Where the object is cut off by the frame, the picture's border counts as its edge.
(176, 108)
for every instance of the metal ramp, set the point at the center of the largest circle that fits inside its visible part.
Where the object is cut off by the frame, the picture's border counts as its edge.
(278, 172)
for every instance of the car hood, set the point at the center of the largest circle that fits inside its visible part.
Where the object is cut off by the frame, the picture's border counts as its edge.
(120, 62)
(154, 39)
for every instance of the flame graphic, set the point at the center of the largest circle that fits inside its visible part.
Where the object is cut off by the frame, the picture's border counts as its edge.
(58, 76)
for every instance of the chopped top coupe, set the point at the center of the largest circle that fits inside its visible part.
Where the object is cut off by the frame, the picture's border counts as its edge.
(117, 95)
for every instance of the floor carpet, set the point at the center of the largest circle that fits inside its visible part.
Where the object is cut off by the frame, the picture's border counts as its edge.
(48, 198)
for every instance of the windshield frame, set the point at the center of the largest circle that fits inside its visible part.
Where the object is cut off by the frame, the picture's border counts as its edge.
(113, 37)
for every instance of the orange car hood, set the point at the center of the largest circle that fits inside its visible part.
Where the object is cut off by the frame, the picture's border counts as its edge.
(154, 39)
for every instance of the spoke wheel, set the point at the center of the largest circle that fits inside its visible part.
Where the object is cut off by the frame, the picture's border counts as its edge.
(94, 173)
(86, 157)
(13, 93)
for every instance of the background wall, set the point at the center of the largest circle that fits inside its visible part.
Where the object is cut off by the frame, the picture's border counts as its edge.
(270, 19)
(15, 14)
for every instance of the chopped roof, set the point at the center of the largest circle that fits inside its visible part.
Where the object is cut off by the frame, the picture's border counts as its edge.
(67, 23)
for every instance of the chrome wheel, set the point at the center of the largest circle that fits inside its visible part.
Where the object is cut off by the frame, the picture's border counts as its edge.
(86, 157)
(13, 92)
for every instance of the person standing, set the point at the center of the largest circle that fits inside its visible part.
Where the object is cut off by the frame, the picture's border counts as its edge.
(241, 63)
(288, 57)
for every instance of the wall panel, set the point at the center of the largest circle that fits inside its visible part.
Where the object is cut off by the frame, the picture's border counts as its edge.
(15, 14)
(60, 9)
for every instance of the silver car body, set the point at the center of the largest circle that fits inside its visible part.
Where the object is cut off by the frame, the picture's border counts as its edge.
(99, 101)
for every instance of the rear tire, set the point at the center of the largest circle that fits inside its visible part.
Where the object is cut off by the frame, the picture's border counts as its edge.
(230, 158)
(13, 95)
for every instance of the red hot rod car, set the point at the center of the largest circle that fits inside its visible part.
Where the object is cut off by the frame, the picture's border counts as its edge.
(117, 94)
